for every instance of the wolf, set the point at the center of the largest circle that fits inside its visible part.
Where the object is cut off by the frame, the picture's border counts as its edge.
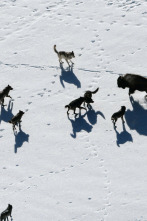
(88, 97)
(133, 82)
(5, 93)
(7, 212)
(75, 104)
(16, 119)
(118, 114)
(66, 55)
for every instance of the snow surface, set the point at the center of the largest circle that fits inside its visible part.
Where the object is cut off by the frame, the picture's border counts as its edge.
(62, 169)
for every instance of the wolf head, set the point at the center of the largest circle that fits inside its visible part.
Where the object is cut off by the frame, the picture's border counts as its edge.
(9, 87)
(73, 55)
(123, 108)
(9, 206)
(21, 112)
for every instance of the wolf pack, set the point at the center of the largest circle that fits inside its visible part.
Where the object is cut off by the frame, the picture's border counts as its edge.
(132, 81)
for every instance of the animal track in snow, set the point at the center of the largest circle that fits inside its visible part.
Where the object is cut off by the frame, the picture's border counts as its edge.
(93, 41)
(41, 94)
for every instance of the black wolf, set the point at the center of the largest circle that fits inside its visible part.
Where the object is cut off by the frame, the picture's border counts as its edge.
(7, 212)
(16, 119)
(5, 93)
(75, 104)
(118, 114)
(88, 97)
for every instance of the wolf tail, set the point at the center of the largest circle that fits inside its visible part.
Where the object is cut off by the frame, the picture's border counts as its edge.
(67, 106)
(93, 92)
(55, 49)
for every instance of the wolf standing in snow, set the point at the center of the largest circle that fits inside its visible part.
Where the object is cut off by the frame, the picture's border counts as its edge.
(118, 114)
(66, 55)
(5, 93)
(7, 212)
(16, 119)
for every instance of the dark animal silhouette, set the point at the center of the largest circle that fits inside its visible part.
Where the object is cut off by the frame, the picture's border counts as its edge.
(5, 93)
(88, 97)
(118, 114)
(7, 212)
(75, 104)
(16, 119)
(133, 82)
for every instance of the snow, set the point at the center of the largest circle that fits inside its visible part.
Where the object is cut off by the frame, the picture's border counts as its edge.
(81, 169)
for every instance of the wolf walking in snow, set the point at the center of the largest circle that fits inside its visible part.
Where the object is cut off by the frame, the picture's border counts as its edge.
(65, 55)
(75, 104)
(7, 212)
(118, 114)
(5, 93)
(16, 119)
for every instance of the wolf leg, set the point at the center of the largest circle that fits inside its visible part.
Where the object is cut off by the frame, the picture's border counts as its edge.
(67, 62)
(122, 119)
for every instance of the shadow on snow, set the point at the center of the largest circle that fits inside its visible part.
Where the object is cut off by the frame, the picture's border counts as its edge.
(68, 76)
(6, 114)
(123, 136)
(20, 138)
(137, 118)
(92, 115)
(79, 123)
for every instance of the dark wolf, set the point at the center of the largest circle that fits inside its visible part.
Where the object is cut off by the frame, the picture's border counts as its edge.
(5, 93)
(75, 104)
(118, 114)
(7, 212)
(66, 55)
(133, 82)
(16, 119)
(88, 97)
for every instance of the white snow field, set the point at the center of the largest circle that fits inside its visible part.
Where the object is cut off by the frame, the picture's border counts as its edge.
(81, 169)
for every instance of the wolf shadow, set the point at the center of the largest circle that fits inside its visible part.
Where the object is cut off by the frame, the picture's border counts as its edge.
(79, 124)
(92, 115)
(123, 136)
(137, 118)
(20, 138)
(68, 76)
(6, 114)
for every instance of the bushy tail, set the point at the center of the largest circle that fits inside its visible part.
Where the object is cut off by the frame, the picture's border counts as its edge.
(93, 92)
(67, 106)
(55, 49)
